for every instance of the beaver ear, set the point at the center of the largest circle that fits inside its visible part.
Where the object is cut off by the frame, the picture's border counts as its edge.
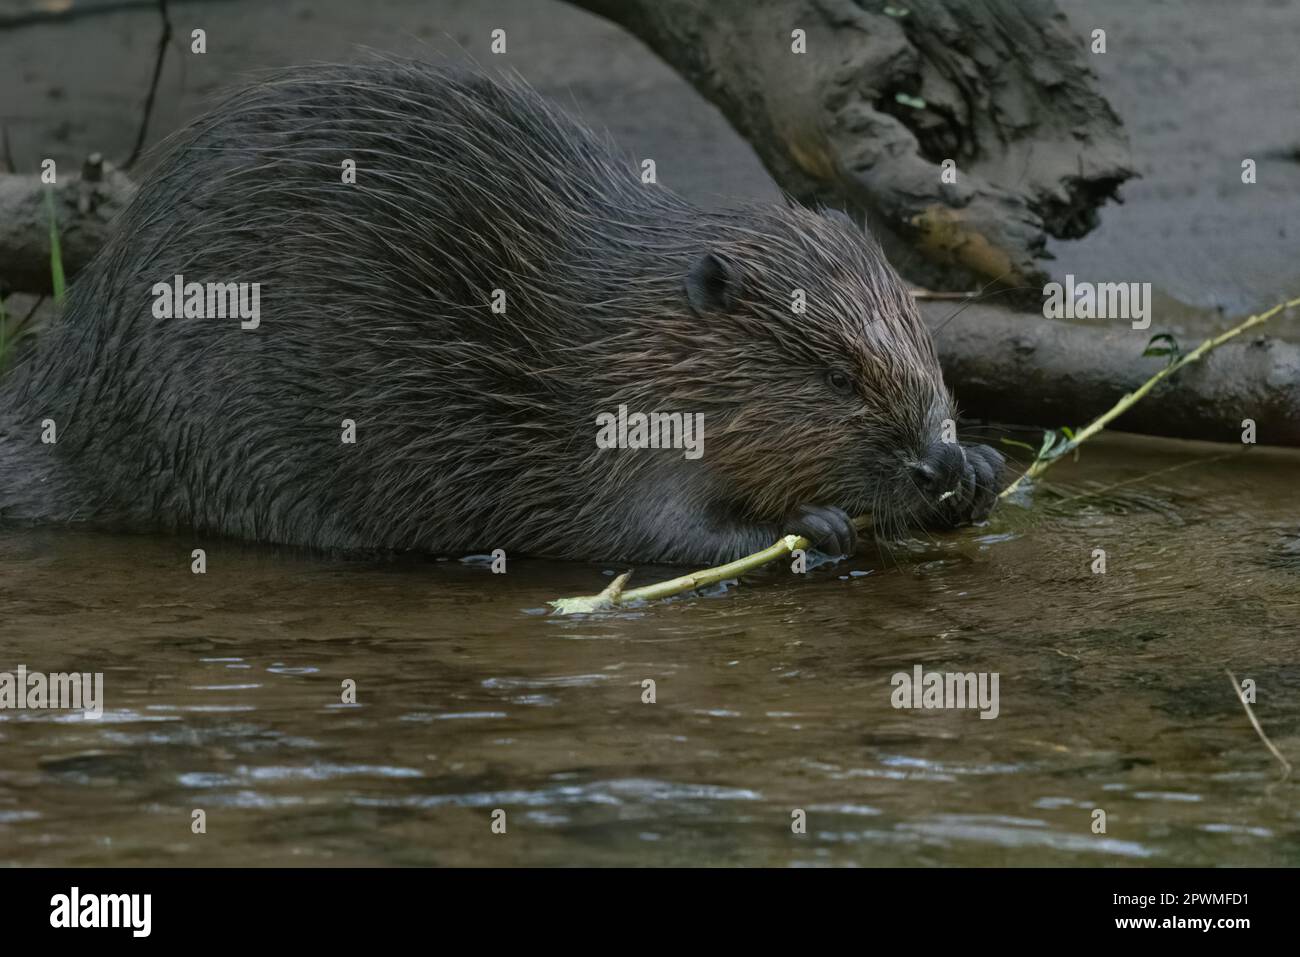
(711, 285)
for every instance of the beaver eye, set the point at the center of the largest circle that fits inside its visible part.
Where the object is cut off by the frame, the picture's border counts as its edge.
(839, 382)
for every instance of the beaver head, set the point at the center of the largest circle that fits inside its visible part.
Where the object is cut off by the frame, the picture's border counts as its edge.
(837, 394)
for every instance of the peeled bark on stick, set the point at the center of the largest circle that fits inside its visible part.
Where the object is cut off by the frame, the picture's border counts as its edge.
(885, 92)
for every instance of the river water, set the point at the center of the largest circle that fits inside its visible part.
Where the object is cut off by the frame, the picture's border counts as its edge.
(223, 693)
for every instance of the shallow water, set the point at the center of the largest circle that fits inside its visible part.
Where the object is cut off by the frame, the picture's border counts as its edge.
(223, 693)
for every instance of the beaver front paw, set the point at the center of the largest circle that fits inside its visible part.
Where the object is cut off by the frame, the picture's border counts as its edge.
(973, 500)
(830, 529)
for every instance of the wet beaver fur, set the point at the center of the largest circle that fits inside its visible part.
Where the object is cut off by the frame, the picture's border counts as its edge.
(476, 429)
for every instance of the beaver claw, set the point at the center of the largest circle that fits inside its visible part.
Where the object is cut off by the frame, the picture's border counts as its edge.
(830, 529)
(982, 479)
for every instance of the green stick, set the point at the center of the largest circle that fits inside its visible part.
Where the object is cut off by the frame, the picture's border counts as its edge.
(56, 254)
(1044, 461)
(615, 595)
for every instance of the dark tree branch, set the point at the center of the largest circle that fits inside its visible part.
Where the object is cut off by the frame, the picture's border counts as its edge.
(163, 39)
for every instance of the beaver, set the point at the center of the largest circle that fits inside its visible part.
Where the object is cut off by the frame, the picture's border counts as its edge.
(496, 279)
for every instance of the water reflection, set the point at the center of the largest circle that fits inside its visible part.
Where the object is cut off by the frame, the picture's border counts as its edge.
(771, 697)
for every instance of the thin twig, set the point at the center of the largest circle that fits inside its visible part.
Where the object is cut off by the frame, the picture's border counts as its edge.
(1042, 464)
(1236, 686)
(163, 40)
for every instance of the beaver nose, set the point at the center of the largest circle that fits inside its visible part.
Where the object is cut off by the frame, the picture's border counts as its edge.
(939, 470)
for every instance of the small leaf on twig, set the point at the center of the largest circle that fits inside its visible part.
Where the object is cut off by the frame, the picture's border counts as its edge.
(1170, 349)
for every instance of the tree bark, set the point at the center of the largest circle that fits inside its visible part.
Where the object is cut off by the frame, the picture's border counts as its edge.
(886, 92)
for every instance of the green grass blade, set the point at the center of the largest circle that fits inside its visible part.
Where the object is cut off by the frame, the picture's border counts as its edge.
(56, 254)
